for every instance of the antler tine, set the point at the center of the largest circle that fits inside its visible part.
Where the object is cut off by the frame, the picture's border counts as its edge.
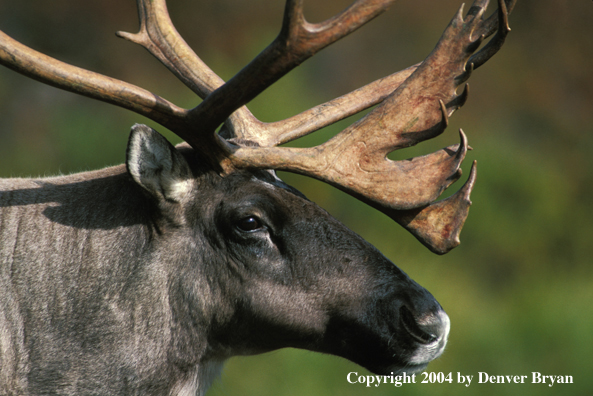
(502, 30)
(355, 160)
(493, 23)
(298, 40)
(439, 224)
(48, 70)
(158, 35)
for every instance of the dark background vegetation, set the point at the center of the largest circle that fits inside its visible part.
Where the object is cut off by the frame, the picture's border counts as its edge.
(519, 289)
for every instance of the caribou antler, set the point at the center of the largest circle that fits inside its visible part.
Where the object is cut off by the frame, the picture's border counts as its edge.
(413, 105)
(355, 160)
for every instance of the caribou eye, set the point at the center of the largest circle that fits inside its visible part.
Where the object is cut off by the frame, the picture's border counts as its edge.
(250, 223)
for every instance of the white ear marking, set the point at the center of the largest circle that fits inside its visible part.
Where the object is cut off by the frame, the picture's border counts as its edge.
(157, 166)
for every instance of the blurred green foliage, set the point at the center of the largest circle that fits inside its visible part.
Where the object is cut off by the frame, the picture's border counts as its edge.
(518, 290)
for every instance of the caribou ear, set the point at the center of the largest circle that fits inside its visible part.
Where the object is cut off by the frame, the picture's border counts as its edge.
(157, 166)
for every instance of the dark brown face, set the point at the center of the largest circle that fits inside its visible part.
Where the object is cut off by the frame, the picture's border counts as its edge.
(299, 278)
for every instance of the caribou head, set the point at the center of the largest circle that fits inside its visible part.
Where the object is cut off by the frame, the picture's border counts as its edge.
(278, 270)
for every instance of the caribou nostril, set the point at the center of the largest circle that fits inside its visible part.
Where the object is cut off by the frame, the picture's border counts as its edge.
(415, 330)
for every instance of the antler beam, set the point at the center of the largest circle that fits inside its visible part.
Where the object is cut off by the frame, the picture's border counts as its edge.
(50, 71)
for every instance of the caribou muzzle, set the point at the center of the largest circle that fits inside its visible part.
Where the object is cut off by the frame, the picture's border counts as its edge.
(428, 332)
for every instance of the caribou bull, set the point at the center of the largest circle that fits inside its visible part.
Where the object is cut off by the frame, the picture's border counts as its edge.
(143, 278)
